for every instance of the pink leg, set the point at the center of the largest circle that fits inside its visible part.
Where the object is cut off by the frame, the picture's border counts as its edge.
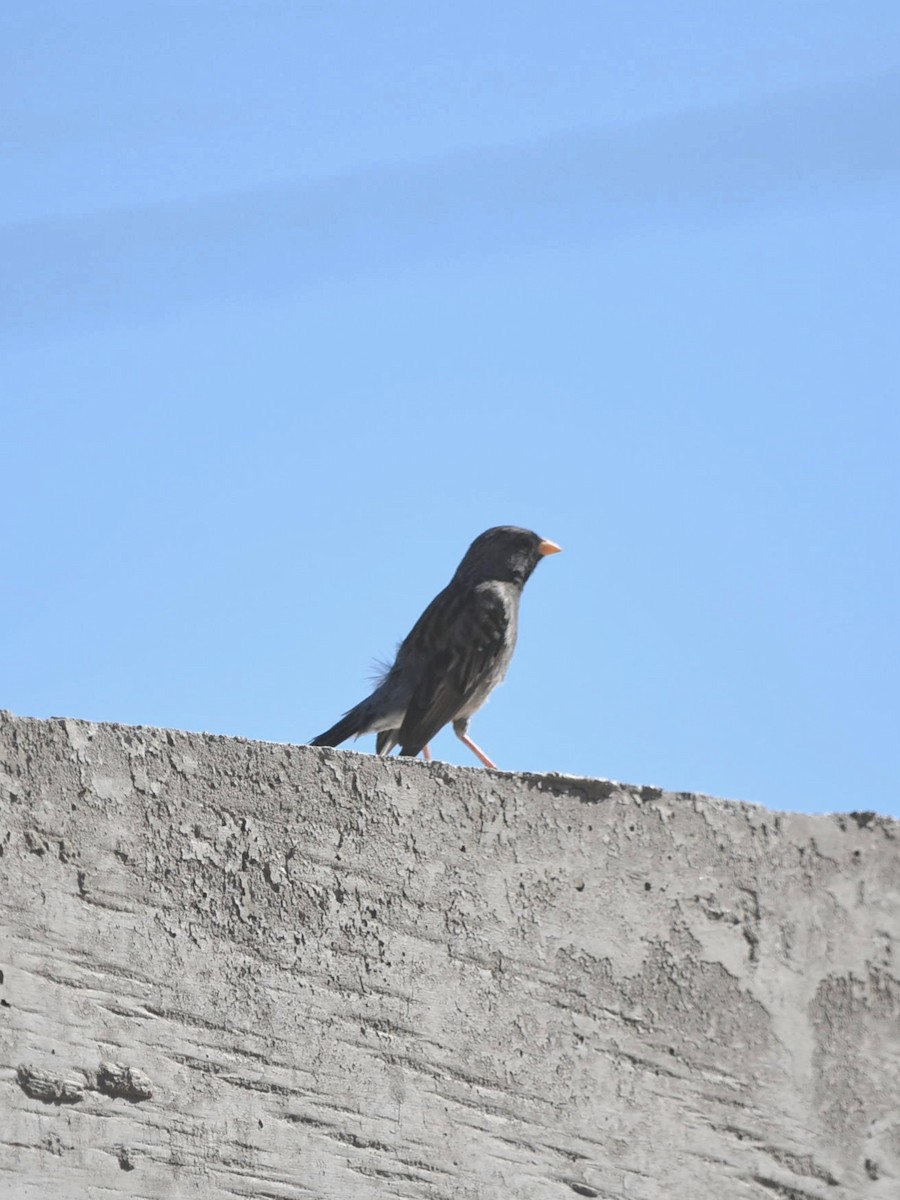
(426, 753)
(477, 752)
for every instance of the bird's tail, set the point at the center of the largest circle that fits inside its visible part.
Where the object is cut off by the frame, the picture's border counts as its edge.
(351, 724)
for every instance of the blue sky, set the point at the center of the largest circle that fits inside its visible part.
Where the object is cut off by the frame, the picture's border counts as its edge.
(298, 298)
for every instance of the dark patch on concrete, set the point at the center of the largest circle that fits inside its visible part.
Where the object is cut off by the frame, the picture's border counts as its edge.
(48, 1086)
(116, 1079)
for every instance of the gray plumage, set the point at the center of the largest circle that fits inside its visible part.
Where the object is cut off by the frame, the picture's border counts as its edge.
(455, 654)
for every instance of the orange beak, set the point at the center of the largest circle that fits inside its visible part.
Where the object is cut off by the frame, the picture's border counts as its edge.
(547, 547)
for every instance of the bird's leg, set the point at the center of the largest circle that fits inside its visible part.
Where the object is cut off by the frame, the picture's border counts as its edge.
(467, 741)
(426, 753)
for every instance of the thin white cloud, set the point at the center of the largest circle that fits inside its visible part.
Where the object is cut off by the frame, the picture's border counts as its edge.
(578, 189)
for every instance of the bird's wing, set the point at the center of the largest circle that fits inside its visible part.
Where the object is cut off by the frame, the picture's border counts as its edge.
(460, 638)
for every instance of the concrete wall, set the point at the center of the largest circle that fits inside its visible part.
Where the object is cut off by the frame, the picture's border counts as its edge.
(238, 969)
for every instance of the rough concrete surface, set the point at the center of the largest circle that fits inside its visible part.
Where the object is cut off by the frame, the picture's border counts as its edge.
(240, 969)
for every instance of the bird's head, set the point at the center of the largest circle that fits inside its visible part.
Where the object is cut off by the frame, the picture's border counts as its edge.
(505, 553)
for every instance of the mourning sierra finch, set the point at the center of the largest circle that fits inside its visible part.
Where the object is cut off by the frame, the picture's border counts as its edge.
(456, 653)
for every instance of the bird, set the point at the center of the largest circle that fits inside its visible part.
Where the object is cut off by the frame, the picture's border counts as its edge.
(455, 654)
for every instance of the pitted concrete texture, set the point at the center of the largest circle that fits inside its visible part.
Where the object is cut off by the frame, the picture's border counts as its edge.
(240, 969)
